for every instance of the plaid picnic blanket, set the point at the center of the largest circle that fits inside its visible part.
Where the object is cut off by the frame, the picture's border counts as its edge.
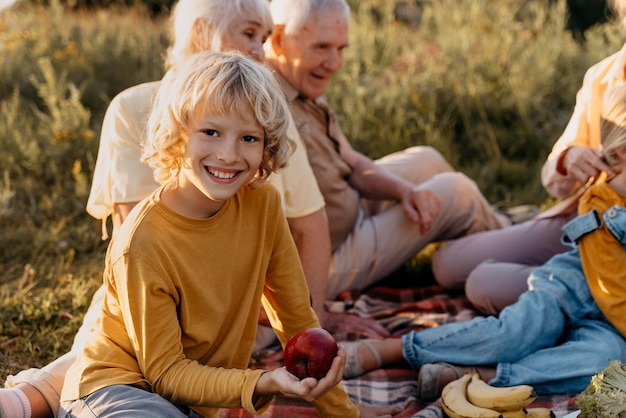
(400, 309)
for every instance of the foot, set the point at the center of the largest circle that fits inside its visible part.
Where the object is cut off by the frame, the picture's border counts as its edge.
(361, 357)
(433, 378)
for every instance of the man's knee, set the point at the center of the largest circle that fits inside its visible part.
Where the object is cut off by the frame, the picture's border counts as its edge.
(425, 154)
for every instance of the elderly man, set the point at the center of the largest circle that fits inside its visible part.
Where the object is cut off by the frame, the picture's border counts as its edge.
(380, 213)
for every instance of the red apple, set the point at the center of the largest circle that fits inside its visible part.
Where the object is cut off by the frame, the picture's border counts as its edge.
(310, 353)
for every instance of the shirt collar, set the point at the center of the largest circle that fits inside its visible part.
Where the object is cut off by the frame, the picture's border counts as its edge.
(618, 69)
(290, 91)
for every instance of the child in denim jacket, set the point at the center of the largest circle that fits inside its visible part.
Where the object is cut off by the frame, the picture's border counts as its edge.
(561, 331)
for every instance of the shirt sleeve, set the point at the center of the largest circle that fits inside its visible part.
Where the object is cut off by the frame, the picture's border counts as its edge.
(583, 128)
(287, 302)
(119, 175)
(296, 183)
(576, 132)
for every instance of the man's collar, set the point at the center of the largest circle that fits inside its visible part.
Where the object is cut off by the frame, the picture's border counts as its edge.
(290, 91)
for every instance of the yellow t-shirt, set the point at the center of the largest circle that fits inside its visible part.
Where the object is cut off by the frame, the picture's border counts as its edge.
(182, 303)
(603, 257)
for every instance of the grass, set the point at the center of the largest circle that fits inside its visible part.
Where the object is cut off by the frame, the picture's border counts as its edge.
(490, 83)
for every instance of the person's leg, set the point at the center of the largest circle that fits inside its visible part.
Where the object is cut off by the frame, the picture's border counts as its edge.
(558, 299)
(42, 387)
(494, 285)
(122, 400)
(381, 243)
(566, 368)
(416, 164)
(529, 243)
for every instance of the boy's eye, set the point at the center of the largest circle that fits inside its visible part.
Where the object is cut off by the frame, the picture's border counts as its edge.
(210, 132)
(249, 138)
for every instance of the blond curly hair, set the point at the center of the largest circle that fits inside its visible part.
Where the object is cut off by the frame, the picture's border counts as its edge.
(228, 84)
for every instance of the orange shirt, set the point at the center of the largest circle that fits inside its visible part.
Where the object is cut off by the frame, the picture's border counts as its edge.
(603, 256)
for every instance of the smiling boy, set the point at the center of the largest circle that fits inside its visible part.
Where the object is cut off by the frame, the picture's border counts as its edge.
(188, 270)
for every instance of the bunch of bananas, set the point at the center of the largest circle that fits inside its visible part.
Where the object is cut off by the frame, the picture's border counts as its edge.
(470, 397)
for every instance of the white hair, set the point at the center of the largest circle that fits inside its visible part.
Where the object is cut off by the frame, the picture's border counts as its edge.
(218, 15)
(293, 14)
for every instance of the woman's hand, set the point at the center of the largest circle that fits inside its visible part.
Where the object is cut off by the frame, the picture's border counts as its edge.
(582, 163)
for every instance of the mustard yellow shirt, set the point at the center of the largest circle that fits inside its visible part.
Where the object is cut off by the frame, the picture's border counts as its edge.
(182, 303)
(603, 257)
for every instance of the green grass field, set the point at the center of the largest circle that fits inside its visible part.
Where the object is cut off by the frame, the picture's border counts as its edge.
(490, 83)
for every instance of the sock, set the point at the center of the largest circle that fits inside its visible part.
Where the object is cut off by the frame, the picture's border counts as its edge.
(14, 404)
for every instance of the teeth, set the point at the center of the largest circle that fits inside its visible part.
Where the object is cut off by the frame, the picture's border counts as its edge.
(221, 175)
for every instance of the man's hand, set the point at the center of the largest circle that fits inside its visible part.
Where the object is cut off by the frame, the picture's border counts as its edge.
(582, 163)
(337, 323)
(421, 206)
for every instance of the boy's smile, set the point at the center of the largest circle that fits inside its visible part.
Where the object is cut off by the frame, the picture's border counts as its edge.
(224, 152)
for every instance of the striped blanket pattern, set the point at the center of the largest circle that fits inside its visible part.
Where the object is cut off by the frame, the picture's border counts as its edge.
(400, 310)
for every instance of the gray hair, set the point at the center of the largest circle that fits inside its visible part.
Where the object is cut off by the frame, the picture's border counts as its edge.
(293, 14)
(218, 16)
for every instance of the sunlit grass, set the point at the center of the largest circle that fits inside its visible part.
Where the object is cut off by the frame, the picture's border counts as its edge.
(490, 83)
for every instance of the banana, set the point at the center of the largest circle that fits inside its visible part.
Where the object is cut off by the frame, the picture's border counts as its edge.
(539, 413)
(515, 413)
(455, 404)
(511, 398)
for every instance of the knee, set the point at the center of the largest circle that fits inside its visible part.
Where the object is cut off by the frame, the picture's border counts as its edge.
(447, 273)
(432, 157)
(454, 184)
(480, 289)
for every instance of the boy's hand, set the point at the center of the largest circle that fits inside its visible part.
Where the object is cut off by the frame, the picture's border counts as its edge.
(281, 382)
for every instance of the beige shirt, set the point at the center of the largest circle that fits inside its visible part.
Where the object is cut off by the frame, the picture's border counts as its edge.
(316, 124)
(182, 303)
(120, 176)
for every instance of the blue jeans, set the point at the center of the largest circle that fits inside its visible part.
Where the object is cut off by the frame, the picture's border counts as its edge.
(124, 400)
(554, 337)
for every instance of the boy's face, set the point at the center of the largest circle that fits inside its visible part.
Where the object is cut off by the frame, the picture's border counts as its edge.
(247, 35)
(223, 154)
